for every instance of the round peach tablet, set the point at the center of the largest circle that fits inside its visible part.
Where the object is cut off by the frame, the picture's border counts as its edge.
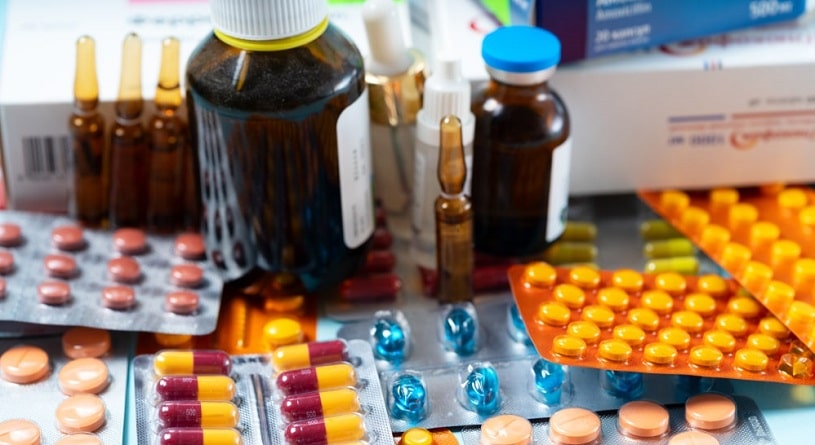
(79, 439)
(129, 241)
(693, 438)
(24, 364)
(186, 275)
(181, 302)
(643, 419)
(118, 297)
(53, 292)
(6, 262)
(710, 411)
(83, 376)
(68, 237)
(10, 235)
(190, 246)
(506, 429)
(574, 426)
(124, 270)
(19, 432)
(81, 413)
(60, 266)
(82, 342)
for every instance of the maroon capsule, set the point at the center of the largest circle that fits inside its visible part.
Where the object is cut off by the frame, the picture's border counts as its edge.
(334, 429)
(316, 378)
(383, 239)
(381, 287)
(319, 404)
(198, 362)
(195, 387)
(379, 261)
(68, 237)
(194, 413)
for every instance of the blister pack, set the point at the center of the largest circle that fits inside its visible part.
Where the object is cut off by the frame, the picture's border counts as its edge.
(55, 272)
(763, 237)
(317, 392)
(704, 419)
(459, 364)
(662, 323)
(59, 388)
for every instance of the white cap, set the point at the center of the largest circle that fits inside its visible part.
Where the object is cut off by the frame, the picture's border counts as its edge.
(389, 55)
(446, 91)
(266, 19)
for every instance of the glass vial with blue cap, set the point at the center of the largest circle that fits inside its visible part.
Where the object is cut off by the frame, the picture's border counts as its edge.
(522, 147)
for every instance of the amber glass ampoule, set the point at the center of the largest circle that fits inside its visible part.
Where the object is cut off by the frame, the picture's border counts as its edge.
(168, 147)
(87, 128)
(128, 144)
(454, 218)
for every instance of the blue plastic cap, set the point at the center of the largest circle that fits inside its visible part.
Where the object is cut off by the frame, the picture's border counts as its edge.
(520, 49)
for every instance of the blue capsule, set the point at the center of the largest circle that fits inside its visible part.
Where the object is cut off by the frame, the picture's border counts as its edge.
(390, 336)
(407, 399)
(515, 324)
(627, 385)
(460, 327)
(480, 389)
(549, 379)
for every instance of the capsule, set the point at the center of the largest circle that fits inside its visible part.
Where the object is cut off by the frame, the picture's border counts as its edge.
(684, 265)
(657, 229)
(187, 414)
(672, 247)
(379, 261)
(377, 287)
(190, 387)
(199, 436)
(309, 354)
(198, 362)
(579, 231)
(570, 252)
(319, 378)
(328, 430)
(319, 404)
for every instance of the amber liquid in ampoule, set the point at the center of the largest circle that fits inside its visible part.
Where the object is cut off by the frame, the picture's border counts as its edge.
(128, 144)
(168, 148)
(454, 218)
(87, 129)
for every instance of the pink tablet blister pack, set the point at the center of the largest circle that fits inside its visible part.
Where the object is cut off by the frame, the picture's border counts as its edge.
(52, 271)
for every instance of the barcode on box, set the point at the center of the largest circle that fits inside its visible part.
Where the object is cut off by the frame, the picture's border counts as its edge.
(46, 156)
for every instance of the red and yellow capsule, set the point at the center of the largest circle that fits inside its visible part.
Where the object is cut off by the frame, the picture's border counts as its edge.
(186, 414)
(317, 378)
(327, 430)
(319, 404)
(192, 387)
(199, 436)
(196, 362)
(309, 354)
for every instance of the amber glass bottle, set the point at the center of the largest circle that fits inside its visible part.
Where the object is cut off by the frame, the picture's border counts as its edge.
(522, 150)
(280, 121)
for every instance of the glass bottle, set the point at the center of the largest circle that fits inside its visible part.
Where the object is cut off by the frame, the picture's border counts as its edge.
(279, 112)
(522, 149)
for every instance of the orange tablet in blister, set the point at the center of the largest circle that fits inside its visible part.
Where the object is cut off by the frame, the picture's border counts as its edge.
(662, 323)
(764, 238)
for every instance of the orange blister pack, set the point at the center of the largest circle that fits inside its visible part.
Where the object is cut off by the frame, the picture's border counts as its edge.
(663, 323)
(763, 237)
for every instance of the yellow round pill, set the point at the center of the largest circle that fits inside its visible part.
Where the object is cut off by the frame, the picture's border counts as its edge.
(670, 282)
(687, 320)
(417, 436)
(570, 295)
(732, 323)
(645, 318)
(778, 297)
(783, 253)
(723, 197)
(756, 276)
(714, 237)
(741, 215)
(713, 285)
(694, 219)
(568, 345)
(540, 274)
(763, 233)
(764, 343)
(792, 199)
(676, 337)
(673, 202)
(282, 331)
(585, 277)
(750, 360)
(585, 330)
(773, 327)
(705, 356)
(658, 301)
(659, 353)
(602, 316)
(553, 314)
(721, 340)
(806, 217)
(734, 257)
(614, 350)
(173, 340)
(803, 275)
(772, 188)
(629, 333)
(701, 303)
(628, 280)
(800, 316)
(746, 307)
(614, 298)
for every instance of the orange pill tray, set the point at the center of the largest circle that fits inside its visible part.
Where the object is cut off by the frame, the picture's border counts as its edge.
(512, 357)
(85, 261)
(662, 323)
(763, 237)
(749, 427)
(39, 400)
(258, 401)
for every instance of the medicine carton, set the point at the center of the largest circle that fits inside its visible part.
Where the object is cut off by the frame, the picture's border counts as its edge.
(732, 109)
(591, 28)
(38, 60)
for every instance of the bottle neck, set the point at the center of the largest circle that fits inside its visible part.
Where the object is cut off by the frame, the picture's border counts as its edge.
(521, 79)
(277, 44)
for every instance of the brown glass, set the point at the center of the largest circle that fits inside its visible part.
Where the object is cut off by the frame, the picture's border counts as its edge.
(167, 175)
(129, 154)
(265, 132)
(517, 128)
(87, 129)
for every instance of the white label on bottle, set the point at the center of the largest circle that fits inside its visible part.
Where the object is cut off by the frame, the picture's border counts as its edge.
(559, 190)
(354, 158)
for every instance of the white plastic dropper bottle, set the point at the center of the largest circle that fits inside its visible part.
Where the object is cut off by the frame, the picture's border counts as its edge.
(446, 92)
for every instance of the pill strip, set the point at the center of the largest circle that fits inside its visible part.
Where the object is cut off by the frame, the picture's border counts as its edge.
(750, 427)
(513, 362)
(144, 303)
(663, 324)
(764, 238)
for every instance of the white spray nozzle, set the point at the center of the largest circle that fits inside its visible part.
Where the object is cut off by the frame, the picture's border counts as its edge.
(446, 91)
(389, 55)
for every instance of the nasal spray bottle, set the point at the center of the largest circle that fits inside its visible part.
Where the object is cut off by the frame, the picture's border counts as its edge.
(446, 92)
(395, 78)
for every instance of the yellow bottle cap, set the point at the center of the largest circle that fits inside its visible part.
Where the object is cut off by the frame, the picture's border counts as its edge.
(614, 350)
